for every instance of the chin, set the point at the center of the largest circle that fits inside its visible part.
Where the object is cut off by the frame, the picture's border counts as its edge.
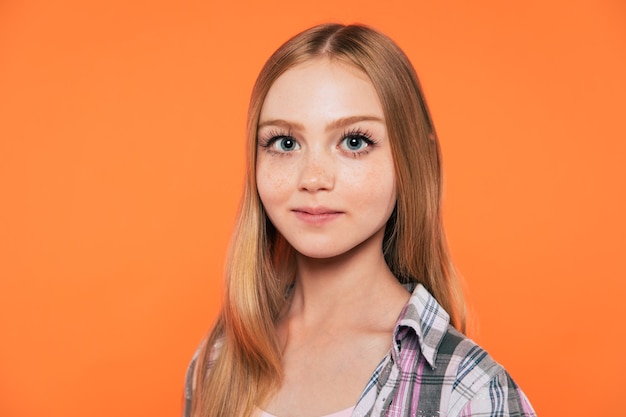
(319, 253)
(322, 254)
(327, 252)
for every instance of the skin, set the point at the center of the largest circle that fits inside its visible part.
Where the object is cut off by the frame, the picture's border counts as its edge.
(325, 176)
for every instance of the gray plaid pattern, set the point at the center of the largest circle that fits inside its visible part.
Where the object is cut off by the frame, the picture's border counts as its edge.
(433, 370)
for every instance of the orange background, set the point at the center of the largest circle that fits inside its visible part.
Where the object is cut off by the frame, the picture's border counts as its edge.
(121, 159)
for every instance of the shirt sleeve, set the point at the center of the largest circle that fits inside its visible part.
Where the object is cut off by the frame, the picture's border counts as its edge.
(190, 382)
(501, 397)
(192, 372)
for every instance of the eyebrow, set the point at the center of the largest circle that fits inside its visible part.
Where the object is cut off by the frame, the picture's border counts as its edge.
(342, 122)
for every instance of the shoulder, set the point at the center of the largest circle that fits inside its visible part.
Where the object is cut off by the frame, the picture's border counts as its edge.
(191, 376)
(449, 370)
(473, 383)
(462, 380)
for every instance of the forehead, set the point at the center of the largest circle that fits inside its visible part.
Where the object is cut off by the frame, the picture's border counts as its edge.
(321, 88)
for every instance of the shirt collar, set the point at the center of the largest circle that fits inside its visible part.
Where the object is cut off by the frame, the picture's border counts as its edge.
(424, 318)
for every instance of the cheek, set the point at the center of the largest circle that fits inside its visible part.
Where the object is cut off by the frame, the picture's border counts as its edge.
(384, 192)
(374, 184)
(272, 183)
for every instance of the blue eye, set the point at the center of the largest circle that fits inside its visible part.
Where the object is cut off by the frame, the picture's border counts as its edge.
(285, 144)
(355, 143)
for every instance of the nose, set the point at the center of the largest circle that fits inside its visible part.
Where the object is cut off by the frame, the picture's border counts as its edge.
(316, 173)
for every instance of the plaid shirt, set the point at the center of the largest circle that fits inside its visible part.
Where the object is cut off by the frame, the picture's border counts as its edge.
(432, 370)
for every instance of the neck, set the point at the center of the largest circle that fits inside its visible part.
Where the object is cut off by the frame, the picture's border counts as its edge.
(345, 288)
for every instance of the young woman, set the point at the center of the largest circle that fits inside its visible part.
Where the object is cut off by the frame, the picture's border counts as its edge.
(340, 297)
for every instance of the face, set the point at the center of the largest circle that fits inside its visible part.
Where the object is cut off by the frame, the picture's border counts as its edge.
(324, 170)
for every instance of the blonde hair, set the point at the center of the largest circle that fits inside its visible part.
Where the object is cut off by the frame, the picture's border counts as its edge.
(260, 265)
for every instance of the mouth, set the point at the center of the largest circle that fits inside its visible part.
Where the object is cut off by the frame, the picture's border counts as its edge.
(316, 215)
(314, 211)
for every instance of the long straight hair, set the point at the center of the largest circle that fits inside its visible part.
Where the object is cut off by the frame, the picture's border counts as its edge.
(240, 363)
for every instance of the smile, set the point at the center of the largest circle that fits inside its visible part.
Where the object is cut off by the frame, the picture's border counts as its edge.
(316, 216)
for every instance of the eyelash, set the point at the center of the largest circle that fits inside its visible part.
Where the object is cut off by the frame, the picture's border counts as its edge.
(272, 136)
(355, 133)
(363, 135)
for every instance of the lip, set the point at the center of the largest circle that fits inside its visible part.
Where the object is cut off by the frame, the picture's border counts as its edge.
(316, 215)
